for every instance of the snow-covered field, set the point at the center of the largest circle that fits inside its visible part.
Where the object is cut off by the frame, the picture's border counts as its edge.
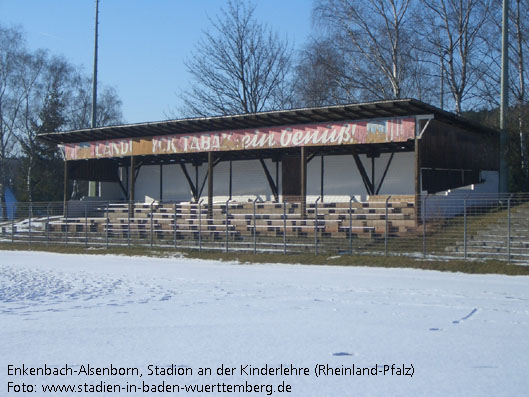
(464, 335)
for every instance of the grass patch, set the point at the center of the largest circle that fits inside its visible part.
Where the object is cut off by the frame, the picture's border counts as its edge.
(470, 267)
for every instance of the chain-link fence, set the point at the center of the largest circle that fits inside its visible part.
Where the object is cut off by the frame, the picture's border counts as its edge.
(457, 225)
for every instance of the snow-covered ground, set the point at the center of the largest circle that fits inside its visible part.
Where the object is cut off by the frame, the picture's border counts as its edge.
(465, 335)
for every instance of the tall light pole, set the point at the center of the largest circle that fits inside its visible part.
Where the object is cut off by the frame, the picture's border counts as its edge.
(92, 184)
(94, 79)
(504, 169)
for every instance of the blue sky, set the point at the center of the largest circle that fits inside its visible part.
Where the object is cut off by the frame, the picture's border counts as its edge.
(142, 43)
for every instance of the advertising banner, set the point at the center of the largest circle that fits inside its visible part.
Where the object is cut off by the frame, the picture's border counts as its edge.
(322, 134)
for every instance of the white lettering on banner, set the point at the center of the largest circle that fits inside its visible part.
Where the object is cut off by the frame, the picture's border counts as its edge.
(333, 133)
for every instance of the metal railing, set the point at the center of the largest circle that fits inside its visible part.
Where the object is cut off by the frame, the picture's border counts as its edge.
(457, 225)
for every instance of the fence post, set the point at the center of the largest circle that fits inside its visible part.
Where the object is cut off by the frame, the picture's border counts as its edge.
(423, 213)
(386, 228)
(284, 227)
(29, 222)
(13, 228)
(174, 226)
(131, 208)
(200, 225)
(316, 226)
(465, 227)
(66, 223)
(227, 226)
(254, 227)
(48, 224)
(509, 229)
(107, 225)
(152, 223)
(351, 225)
(85, 226)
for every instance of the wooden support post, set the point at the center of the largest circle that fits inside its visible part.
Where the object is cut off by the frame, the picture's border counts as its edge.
(373, 175)
(277, 181)
(66, 183)
(210, 185)
(322, 173)
(132, 176)
(303, 181)
(418, 209)
(196, 196)
(161, 182)
(132, 182)
(231, 178)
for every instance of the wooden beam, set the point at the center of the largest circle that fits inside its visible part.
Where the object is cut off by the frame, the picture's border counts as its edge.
(367, 183)
(192, 186)
(137, 169)
(311, 156)
(125, 193)
(270, 180)
(385, 172)
(203, 184)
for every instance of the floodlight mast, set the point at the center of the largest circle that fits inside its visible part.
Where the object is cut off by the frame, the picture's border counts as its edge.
(504, 169)
(93, 124)
(94, 79)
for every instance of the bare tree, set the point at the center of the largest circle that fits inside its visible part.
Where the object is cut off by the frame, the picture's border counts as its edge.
(453, 31)
(518, 114)
(45, 81)
(239, 67)
(79, 104)
(38, 94)
(11, 100)
(375, 36)
(321, 75)
(520, 16)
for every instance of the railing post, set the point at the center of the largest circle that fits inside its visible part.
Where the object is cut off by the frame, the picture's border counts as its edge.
(107, 225)
(66, 223)
(423, 213)
(13, 228)
(284, 227)
(386, 228)
(152, 223)
(48, 224)
(316, 226)
(174, 226)
(465, 228)
(351, 225)
(200, 225)
(255, 226)
(85, 226)
(29, 222)
(227, 226)
(509, 229)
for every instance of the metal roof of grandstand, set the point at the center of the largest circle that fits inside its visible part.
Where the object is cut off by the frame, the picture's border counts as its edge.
(358, 111)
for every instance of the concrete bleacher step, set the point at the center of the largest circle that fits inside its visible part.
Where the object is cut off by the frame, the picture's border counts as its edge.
(189, 221)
